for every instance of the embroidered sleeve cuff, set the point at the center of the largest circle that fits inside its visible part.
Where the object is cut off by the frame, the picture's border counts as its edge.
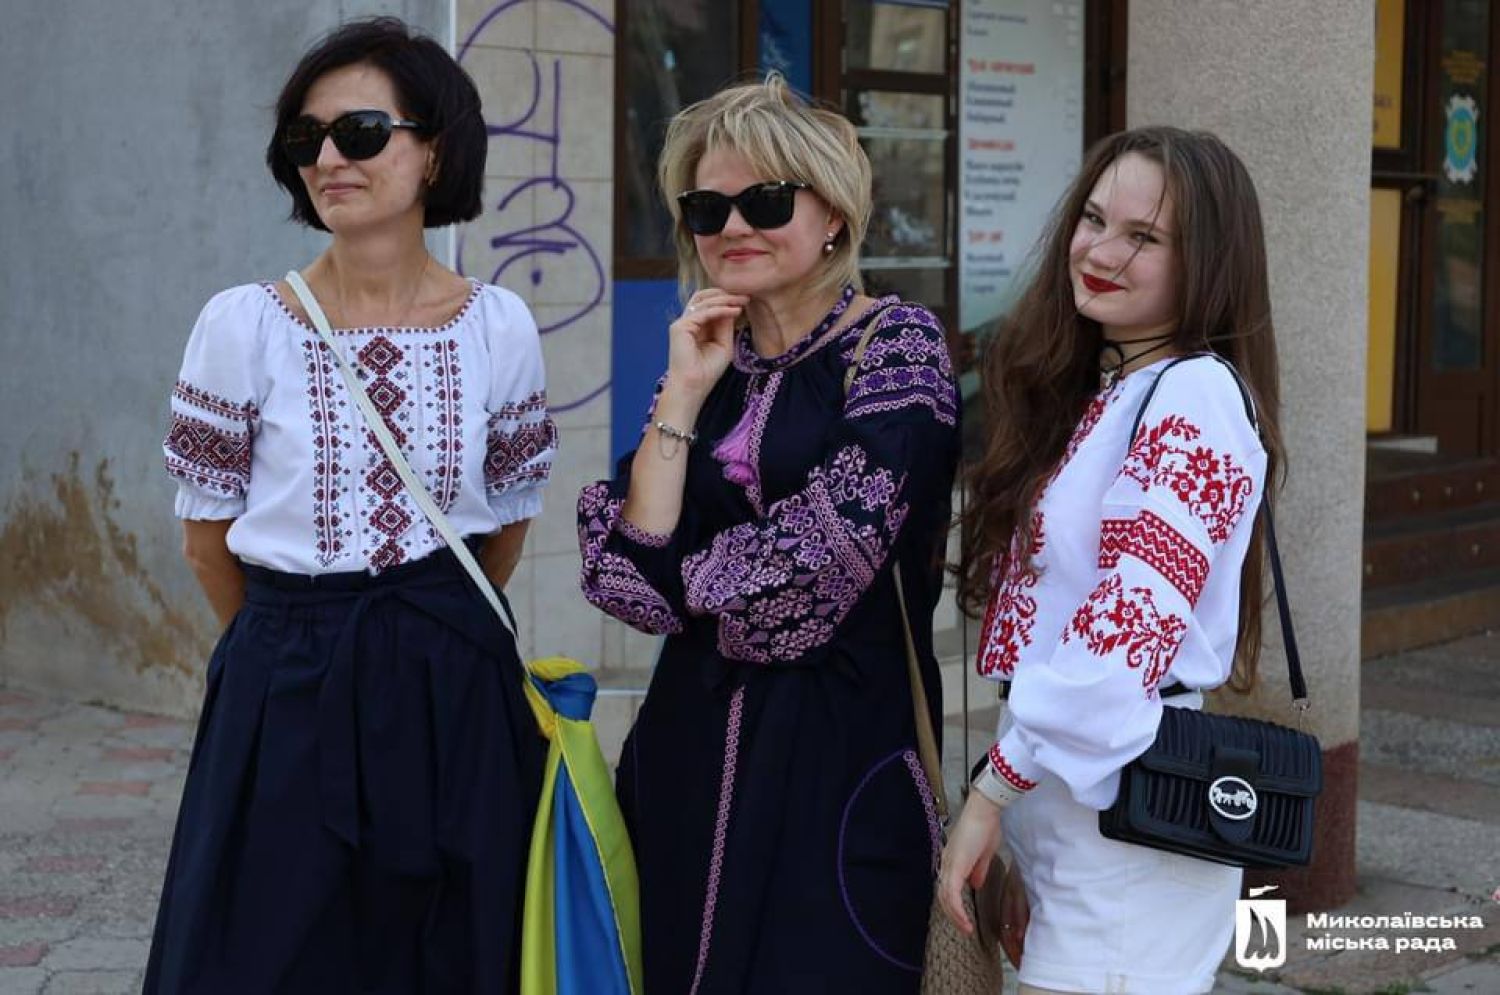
(196, 507)
(640, 536)
(996, 788)
(1009, 764)
(516, 506)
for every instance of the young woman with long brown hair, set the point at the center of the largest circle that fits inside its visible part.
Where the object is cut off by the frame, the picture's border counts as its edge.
(1117, 574)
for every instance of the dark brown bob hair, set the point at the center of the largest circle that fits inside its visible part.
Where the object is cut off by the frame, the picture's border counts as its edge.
(1042, 367)
(431, 88)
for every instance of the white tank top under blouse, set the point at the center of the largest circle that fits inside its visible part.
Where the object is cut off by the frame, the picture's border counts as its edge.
(263, 430)
(1134, 583)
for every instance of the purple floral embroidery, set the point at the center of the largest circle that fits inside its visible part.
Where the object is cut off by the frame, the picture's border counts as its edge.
(757, 433)
(640, 536)
(610, 581)
(830, 539)
(746, 360)
(721, 832)
(929, 805)
(906, 364)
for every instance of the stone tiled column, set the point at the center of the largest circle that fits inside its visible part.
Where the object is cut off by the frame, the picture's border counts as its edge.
(545, 71)
(1287, 85)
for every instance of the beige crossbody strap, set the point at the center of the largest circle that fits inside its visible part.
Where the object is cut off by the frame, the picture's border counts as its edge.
(927, 748)
(393, 452)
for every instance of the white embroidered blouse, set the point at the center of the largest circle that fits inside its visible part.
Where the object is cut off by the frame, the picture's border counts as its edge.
(1135, 577)
(263, 430)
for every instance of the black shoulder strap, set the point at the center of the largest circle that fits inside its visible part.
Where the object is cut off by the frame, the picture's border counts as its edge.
(1283, 607)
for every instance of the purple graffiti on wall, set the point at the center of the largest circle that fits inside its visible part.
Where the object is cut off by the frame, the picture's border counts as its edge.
(544, 245)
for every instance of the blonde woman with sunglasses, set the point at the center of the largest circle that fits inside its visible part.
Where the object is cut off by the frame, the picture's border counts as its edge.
(784, 830)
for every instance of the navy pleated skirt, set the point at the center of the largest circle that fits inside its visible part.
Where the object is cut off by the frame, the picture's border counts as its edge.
(360, 797)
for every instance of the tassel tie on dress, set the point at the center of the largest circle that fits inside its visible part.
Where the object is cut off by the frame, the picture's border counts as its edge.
(736, 450)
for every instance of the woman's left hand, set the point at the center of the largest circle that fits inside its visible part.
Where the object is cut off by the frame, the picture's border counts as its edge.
(966, 858)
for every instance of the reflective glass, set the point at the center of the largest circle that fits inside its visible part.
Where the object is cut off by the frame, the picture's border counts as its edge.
(676, 52)
(903, 37)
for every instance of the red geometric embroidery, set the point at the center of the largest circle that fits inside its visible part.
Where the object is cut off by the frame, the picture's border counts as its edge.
(392, 519)
(1011, 615)
(214, 458)
(329, 451)
(1111, 620)
(214, 404)
(1152, 540)
(510, 454)
(211, 454)
(1005, 770)
(446, 397)
(1212, 487)
(387, 517)
(380, 355)
(418, 391)
(384, 480)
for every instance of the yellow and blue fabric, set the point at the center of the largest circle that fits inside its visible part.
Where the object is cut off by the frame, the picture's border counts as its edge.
(581, 931)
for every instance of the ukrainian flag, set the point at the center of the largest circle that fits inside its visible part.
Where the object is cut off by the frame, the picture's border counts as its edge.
(581, 933)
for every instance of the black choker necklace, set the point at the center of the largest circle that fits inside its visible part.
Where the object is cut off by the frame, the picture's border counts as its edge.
(1109, 373)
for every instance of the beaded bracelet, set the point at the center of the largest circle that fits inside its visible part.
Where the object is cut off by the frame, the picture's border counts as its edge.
(678, 438)
(672, 432)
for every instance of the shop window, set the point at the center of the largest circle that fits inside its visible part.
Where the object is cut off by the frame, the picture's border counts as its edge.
(672, 53)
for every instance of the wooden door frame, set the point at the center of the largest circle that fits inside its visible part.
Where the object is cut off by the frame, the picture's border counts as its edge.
(1404, 169)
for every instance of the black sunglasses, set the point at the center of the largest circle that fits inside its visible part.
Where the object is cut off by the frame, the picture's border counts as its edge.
(762, 205)
(357, 135)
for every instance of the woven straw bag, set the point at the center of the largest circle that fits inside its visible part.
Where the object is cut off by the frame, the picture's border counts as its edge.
(954, 964)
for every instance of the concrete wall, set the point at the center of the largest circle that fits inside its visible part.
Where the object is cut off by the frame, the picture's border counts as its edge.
(133, 190)
(1287, 85)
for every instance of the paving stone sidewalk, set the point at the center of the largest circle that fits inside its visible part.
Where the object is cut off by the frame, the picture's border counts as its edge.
(87, 801)
(88, 797)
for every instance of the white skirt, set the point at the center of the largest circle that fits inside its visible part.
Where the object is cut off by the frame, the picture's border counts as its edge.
(1114, 917)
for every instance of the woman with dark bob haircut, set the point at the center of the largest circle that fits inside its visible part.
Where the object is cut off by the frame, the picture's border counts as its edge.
(366, 769)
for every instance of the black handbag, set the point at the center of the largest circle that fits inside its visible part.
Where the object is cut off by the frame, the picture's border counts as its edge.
(1219, 787)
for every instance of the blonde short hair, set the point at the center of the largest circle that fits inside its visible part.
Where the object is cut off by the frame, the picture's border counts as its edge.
(782, 137)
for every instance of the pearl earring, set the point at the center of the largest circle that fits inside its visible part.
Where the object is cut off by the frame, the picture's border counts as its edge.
(828, 243)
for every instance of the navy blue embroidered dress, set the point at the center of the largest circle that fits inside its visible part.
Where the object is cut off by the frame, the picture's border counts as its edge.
(784, 830)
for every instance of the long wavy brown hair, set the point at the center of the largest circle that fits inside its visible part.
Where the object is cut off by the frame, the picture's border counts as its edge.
(1042, 367)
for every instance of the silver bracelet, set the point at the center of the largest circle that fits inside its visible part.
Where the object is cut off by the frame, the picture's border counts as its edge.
(672, 432)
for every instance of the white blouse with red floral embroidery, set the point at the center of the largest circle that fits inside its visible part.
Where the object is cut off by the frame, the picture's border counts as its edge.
(263, 430)
(1135, 574)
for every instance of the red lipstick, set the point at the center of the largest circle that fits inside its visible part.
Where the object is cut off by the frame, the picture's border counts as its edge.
(1099, 285)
